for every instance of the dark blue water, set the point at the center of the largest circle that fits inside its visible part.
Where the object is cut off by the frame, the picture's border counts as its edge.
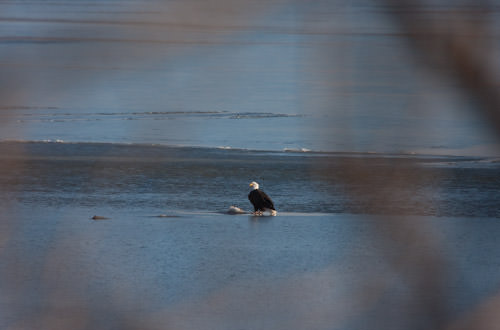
(159, 179)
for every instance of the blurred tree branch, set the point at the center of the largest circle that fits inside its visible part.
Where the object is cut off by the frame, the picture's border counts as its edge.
(455, 43)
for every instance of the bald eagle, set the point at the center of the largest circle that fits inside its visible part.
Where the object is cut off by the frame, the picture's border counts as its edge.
(260, 200)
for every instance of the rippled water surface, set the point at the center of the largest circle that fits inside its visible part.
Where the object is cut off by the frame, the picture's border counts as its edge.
(159, 179)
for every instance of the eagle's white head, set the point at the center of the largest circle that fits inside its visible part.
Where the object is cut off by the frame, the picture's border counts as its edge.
(254, 185)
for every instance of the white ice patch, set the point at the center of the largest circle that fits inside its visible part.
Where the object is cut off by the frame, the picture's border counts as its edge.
(235, 210)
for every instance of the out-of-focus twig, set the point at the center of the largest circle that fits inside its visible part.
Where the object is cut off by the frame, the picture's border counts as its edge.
(455, 43)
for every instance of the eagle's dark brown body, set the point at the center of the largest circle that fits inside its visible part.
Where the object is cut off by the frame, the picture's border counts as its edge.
(260, 200)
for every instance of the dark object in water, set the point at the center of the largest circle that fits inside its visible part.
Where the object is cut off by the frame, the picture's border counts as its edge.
(98, 217)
